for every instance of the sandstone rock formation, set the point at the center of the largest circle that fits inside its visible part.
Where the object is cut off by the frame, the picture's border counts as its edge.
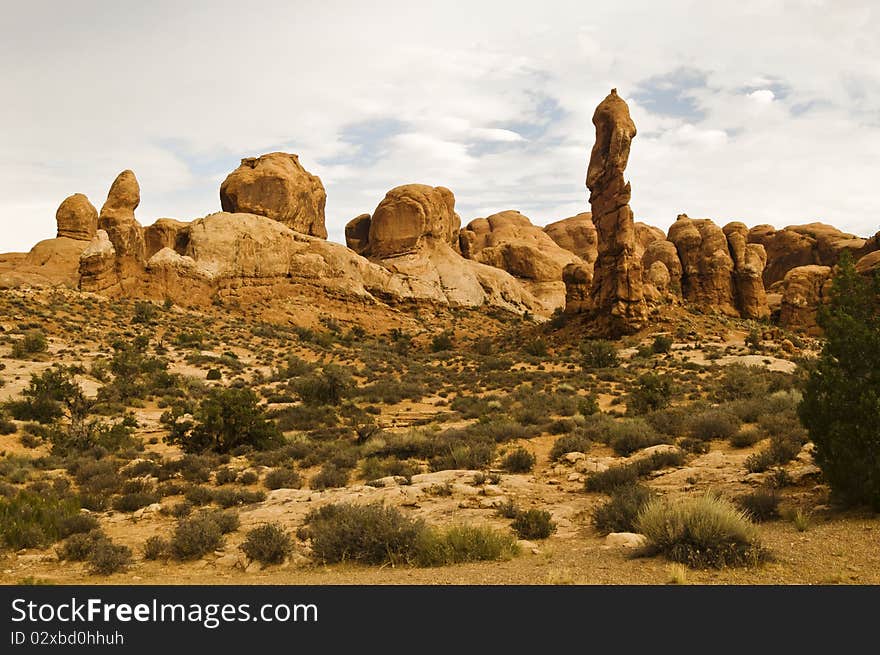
(869, 264)
(749, 260)
(509, 241)
(357, 233)
(804, 288)
(77, 218)
(122, 228)
(412, 216)
(277, 186)
(661, 270)
(803, 245)
(578, 280)
(164, 233)
(576, 234)
(618, 302)
(97, 266)
(707, 267)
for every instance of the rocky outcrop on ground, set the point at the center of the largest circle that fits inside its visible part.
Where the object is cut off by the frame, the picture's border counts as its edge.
(277, 186)
(77, 218)
(803, 290)
(749, 260)
(618, 303)
(803, 245)
(509, 241)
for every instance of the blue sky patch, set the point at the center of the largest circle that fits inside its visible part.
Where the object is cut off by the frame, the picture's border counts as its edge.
(670, 94)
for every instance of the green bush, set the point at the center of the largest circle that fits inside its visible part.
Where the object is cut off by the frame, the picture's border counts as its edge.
(700, 532)
(214, 374)
(330, 477)
(156, 547)
(745, 437)
(760, 505)
(629, 435)
(368, 534)
(569, 443)
(533, 524)
(33, 342)
(442, 342)
(268, 543)
(29, 519)
(598, 353)
(328, 387)
(78, 547)
(628, 474)
(225, 419)
(194, 537)
(518, 461)
(620, 513)
(107, 558)
(652, 392)
(282, 478)
(662, 344)
(714, 424)
(462, 543)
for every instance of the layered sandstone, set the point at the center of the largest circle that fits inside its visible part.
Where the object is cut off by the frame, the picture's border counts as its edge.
(618, 302)
(277, 186)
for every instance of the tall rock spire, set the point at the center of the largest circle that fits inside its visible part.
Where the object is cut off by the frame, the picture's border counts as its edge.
(617, 298)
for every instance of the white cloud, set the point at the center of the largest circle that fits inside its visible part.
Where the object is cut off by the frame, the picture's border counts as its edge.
(494, 100)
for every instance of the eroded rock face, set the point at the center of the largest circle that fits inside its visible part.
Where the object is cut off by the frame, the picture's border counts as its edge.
(277, 186)
(749, 260)
(803, 245)
(662, 269)
(165, 233)
(117, 217)
(97, 266)
(576, 234)
(509, 241)
(707, 267)
(803, 289)
(618, 302)
(357, 233)
(408, 217)
(578, 279)
(77, 218)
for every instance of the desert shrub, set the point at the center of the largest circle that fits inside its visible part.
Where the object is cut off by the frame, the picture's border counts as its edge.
(464, 456)
(670, 421)
(131, 502)
(713, 424)
(518, 461)
(620, 513)
(693, 445)
(282, 478)
(462, 543)
(47, 396)
(78, 547)
(760, 505)
(214, 374)
(662, 344)
(746, 436)
(328, 387)
(307, 417)
(31, 343)
(225, 419)
(225, 475)
(536, 347)
(738, 381)
(247, 477)
(6, 426)
(629, 435)
(29, 519)
(652, 392)
(194, 537)
(76, 524)
(699, 532)
(569, 443)
(598, 353)
(198, 495)
(508, 509)
(533, 524)
(330, 477)
(628, 474)
(107, 558)
(232, 497)
(268, 543)
(156, 547)
(227, 520)
(373, 468)
(780, 451)
(587, 405)
(369, 534)
(442, 342)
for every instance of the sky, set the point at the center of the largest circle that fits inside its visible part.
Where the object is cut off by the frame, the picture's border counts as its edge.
(763, 112)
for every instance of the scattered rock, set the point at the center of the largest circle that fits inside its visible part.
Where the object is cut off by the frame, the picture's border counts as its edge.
(628, 540)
